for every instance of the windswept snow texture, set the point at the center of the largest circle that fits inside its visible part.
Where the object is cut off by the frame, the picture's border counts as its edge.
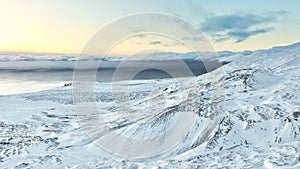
(258, 127)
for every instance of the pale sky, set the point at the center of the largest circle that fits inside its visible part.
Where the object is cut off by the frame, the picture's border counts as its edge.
(65, 26)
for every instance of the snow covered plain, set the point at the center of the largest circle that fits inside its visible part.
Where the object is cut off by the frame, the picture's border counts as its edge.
(258, 126)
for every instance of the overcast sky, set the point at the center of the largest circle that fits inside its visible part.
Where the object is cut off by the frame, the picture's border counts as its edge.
(65, 26)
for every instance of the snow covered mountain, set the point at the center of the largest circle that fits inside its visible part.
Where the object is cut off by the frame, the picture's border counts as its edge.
(246, 115)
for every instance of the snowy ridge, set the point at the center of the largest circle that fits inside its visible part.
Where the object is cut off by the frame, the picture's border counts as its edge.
(258, 127)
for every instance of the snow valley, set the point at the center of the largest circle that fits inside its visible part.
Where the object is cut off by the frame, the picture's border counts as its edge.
(256, 125)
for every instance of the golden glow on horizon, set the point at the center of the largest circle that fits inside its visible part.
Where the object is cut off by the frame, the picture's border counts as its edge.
(28, 29)
(47, 27)
(18, 37)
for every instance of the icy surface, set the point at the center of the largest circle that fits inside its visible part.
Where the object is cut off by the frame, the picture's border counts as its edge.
(258, 127)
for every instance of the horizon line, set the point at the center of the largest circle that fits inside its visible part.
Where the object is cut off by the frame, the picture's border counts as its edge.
(116, 55)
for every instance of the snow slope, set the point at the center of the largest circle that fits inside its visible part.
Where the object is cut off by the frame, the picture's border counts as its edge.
(255, 125)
